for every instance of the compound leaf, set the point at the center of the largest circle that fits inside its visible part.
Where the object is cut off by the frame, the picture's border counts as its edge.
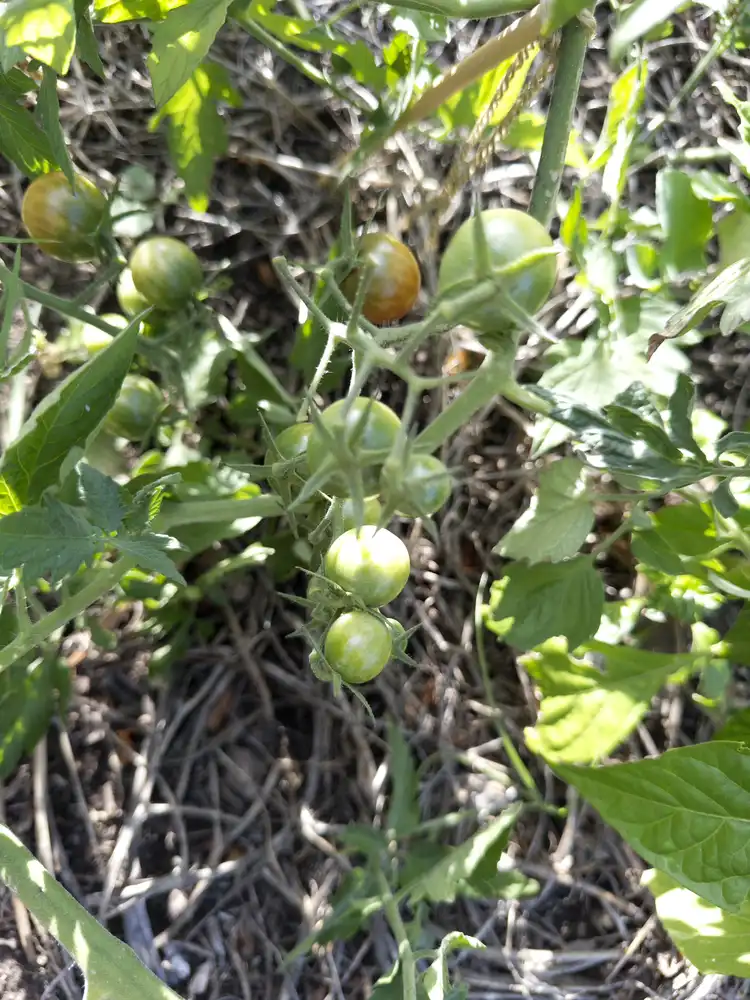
(53, 540)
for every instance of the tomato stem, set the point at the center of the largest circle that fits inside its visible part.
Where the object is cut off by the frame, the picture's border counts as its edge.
(405, 953)
(572, 51)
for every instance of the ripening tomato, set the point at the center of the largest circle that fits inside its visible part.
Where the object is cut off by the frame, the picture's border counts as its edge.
(393, 278)
(369, 563)
(62, 220)
(357, 646)
(425, 486)
(136, 409)
(509, 234)
(166, 272)
(289, 443)
(130, 299)
(369, 429)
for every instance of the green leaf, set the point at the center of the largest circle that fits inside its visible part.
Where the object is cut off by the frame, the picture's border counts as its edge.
(546, 600)
(737, 727)
(733, 234)
(48, 108)
(436, 980)
(65, 419)
(181, 42)
(686, 220)
(43, 29)
(558, 520)
(403, 811)
(86, 45)
(53, 540)
(526, 132)
(680, 416)
(624, 99)
(711, 186)
(586, 711)
(711, 939)
(150, 551)
(474, 861)
(21, 139)
(686, 812)
(103, 498)
(28, 696)
(687, 528)
(117, 11)
(196, 132)
(640, 18)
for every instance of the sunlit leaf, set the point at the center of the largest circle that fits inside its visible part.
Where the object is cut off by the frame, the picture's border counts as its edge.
(180, 43)
(21, 140)
(117, 11)
(687, 222)
(48, 108)
(43, 29)
(53, 540)
(638, 19)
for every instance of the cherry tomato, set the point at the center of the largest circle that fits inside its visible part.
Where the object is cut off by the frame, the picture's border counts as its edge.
(345, 516)
(64, 221)
(289, 443)
(130, 299)
(393, 278)
(166, 272)
(369, 563)
(509, 234)
(367, 427)
(425, 486)
(136, 409)
(357, 646)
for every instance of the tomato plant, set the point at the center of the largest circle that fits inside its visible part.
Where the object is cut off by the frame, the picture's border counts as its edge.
(424, 487)
(509, 235)
(357, 646)
(289, 444)
(136, 409)
(64, 221)
(365, 427)
(393, 279)
(370, 563)
(165, 272)
(345, 513)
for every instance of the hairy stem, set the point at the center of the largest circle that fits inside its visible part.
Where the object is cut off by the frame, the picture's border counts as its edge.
(559, 121)
(103, 581)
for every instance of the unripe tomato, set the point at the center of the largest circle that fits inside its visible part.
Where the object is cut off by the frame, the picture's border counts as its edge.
(130, 299)
(64, 221)
(369, 563)
(136, 409)
(344, 514)
(289, 443)
(367, 426)
(393, 278)
(425, 486)
(509, 234)
(357, 646)
(166, 272)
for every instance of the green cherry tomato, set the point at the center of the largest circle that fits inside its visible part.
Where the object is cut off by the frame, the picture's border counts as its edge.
(393, 278)
(345, 515)
(509, 234)
(369, 563)
(357, 646)
(367, 427)
(166, 272)
(289, 443)
(130, 299)
(425, 486)
(64, 221)
(136, 409)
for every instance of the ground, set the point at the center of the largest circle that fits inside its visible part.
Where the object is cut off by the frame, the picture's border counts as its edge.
(199, 813)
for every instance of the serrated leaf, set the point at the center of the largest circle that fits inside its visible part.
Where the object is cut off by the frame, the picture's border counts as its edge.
(22, 141)
(43, 29)
(640, 18)
(558, 519)
(53, 540)
(546, 600)
(181, 42)
(65, 419)
(714, 941)
(150, 550)
(474, 860)
(585, 711)
(403, 810)
(48, 107)
(103, 498)
(686, 812)
(28, 695)
(196, 132)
